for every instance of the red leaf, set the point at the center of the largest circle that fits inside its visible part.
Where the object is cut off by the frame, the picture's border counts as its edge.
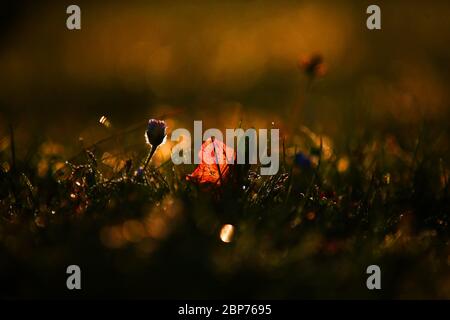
(215, 161)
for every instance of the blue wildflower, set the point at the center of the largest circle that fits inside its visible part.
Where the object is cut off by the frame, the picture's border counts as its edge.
(302, 160)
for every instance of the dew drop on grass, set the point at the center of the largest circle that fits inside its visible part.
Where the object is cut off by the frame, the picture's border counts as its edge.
(387, 178)
(105, 121)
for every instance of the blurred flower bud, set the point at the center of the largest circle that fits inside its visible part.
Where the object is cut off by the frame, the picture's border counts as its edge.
(313, 65)
(139, 173)
(302, 160)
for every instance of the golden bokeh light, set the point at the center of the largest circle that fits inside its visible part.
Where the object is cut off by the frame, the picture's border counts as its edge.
(343, 164)
(112, 237)
(227, 233)
(311, 215)
(133, 231)
(156, 227)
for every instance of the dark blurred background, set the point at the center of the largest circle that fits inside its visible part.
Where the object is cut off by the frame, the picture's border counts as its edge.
(220, 62)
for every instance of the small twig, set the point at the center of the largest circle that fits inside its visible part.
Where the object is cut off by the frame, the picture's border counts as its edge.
(217, 161)
(13, 147)
(288, 194)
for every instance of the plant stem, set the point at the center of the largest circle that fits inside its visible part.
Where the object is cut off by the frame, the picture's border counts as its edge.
(149, 156)
(13, 147)
(217, 161)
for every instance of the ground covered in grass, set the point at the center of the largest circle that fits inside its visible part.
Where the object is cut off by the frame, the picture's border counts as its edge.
(308, 232)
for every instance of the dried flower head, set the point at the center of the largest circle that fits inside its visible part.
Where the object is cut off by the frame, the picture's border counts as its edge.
(154, 136)
(156, 132)
(313, 65)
